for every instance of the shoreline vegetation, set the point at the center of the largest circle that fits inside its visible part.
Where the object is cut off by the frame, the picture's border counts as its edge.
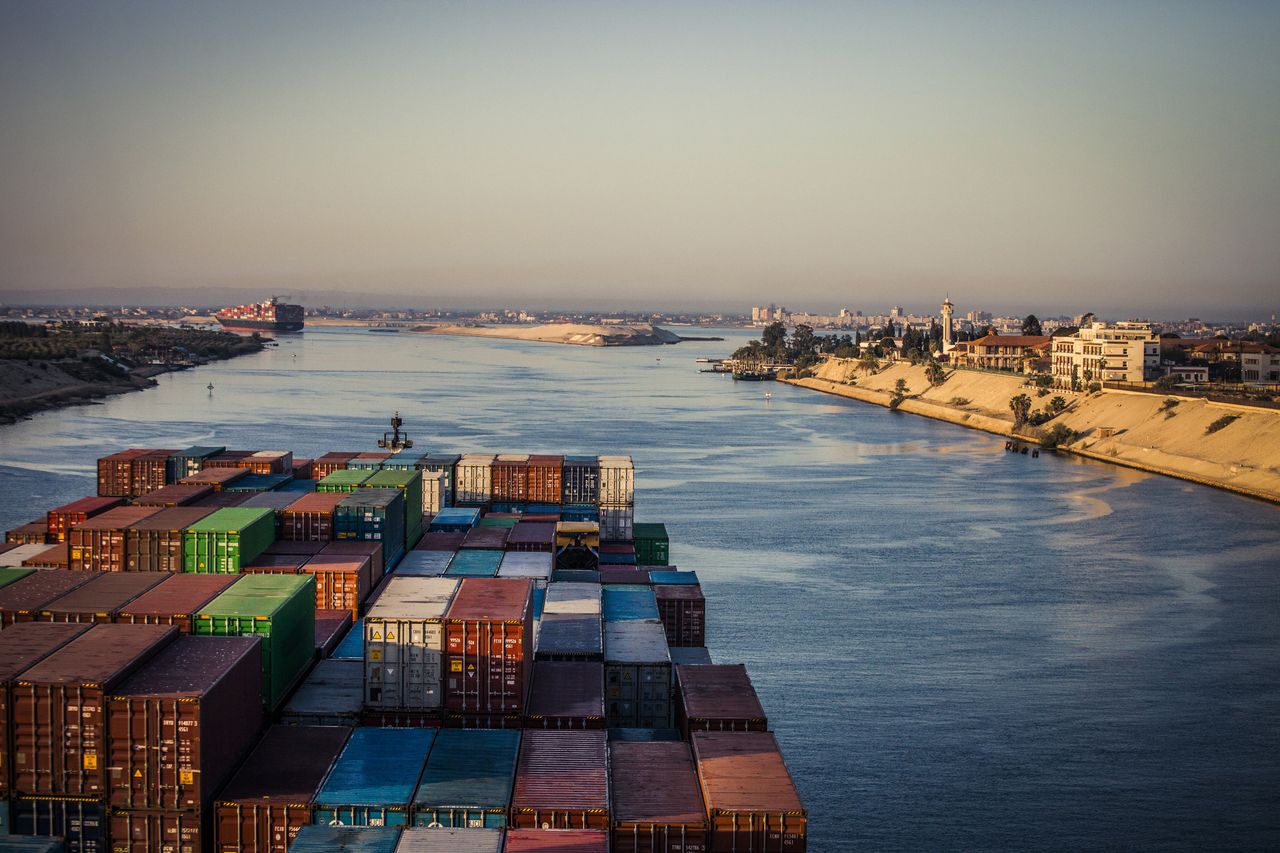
(1229, 446)
(51, 367)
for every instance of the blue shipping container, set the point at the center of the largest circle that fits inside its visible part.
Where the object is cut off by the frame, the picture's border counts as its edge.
(31, 844)
(475, 563)
(82, 823)
(607, 559)
(351, 839)
(373, 781)
(455, 519)
(628, 603)
(507, 506)
(580, 512)
(352, 645)
(298, 486)
(542, 509)
(669, 577)
(539, 601)
(468, 779)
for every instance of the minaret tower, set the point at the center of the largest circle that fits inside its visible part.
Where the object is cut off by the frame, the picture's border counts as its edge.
(947, 310)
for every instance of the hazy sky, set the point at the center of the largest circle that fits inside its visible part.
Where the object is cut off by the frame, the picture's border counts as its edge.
(1113, 156)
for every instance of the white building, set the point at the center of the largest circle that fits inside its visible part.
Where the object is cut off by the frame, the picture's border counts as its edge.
(1105, 352)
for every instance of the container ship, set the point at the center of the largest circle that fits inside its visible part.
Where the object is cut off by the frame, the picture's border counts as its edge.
(271, 315)
(395, 650)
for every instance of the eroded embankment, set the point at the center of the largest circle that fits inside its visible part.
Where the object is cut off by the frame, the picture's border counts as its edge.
(1227, 446)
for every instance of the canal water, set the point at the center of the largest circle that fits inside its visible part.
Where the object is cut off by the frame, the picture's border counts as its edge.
(959, 648)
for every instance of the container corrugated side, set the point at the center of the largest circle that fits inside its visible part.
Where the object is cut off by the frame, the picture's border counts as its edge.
(179, 725)
(270, 798)
(373, 781)
(489, 646)
(683, 611)
(450, 841)
(566, 695)
(718, 698)
(404, 643)
(100, 544)
(346, 839)
(562, 781)
(570, 637)
(564, 841)
(752, 803)
(227, 540)
(331, 695)
(81, 822)
(58, 714)
(468, 779)
(145, 831)
(657, 805)
(155, 544)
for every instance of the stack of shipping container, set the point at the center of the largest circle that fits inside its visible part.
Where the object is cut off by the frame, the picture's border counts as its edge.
(521, 668)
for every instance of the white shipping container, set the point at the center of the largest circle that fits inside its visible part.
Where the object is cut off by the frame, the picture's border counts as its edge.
(617, 522)
(403, 644)
(433, 499)
(443, 840)
(527, 564)
(330, 696)
(424, 564)
(617, 481)
(475, 478)
(572, 597)
(12, 559)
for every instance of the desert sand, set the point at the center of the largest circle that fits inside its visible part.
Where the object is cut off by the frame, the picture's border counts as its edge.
(567, 333)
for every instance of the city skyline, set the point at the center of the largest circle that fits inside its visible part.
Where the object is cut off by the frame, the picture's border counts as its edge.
(1114, 158)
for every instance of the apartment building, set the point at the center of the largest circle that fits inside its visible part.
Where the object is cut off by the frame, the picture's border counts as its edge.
(1106, 352)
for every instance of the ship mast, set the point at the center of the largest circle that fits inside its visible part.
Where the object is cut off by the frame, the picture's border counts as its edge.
(395, 440)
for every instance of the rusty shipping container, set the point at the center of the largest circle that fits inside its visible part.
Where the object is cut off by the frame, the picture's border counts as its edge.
(178, 726)
(226, 459)
(22, 646)
(157, 832)
(532, 536)
(567, 841)
(149, 471)
(215, 477)
(269, 462)
(566, 695)
(222, 500)
(342, 582)
(100, 544)
(270, 798)
(52, 557)
(310, 517)
(99, 600)
(489, 646)
(174, 495)
(546, 479)
(115, 473)
(717, 698)
(31, 533)
(21, 600)
(562, 781)
(154, 544)
(61, 519)
(683, 611)
(510, 478)
(752, 804)
(323, 466)
(657, 806)
(59, 709)
(175, 600)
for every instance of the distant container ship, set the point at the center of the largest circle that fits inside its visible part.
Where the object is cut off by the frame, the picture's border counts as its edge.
(269, 316)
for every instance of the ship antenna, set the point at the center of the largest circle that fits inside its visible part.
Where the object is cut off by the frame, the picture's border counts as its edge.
(395, 440)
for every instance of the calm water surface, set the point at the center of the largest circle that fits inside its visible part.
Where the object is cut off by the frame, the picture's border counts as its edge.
(959, 649)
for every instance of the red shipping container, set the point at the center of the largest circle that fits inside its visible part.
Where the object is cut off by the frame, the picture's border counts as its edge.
(100, 544)
(302, 549)
(178, 726)
(488, 648)
(269, 462)
(532, 536)
(226, 459)
(717, 698)
(566, 695)
(218, 500)
(488, 538)
(31, 533)
(149, 471)
(63, 518)
(683, 611)
(359, 548)
(269, 799)
(438, 541)
(301, 468)
(656, 807)
(98, 601)
(310, 517)
(154, 544)
(22, 646)
(151, 831)
(175, 601)
(325, 465)
(214, 476)
(546, 479)
(21, 600)
(173, 495)
(331, 627)
(115, 473)
(562, 841)
(562, 781)
(510, 479)
(53, 557)
(59, 709)
(752, 804)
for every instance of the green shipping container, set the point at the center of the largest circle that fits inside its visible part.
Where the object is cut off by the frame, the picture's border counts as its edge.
(8, 576)
(508, 523)
(281, 609)
(227, 540)
(409, 482)
(653, 548)
(348, 480)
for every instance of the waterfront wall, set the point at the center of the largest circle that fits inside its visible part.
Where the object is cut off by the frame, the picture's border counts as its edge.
(1145, 432)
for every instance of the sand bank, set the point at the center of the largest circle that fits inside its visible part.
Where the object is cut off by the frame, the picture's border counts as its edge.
(578, 334)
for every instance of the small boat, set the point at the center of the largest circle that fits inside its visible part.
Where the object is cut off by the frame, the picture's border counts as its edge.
(768, 395)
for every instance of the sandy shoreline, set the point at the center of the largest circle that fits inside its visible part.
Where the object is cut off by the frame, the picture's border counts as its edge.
(576, 334)
(1147, 434)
